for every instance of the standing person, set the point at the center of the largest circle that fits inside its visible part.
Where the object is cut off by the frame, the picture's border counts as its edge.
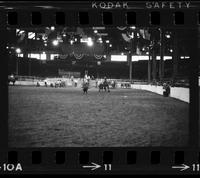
(114, 83)
(105, 84)
(166, 88)
(75, 83)
(85, 77)
(96, 81)
(85, 87)
(88, 79)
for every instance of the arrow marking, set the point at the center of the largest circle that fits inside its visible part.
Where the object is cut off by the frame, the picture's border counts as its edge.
(183, 167)
(93, 166)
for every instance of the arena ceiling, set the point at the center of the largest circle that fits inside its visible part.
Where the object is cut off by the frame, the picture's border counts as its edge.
(103, 40)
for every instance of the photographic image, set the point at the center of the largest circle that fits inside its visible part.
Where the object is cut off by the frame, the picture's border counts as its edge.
(98, 87)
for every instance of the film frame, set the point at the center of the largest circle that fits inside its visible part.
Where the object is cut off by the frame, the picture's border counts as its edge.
(150, 160)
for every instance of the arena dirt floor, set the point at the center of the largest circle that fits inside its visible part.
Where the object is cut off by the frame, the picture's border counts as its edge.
(64, 117)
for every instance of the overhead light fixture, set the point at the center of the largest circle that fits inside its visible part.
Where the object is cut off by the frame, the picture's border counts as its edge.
(95, 31)
(133, 27)
(98, 28)
(71, 42)
(122, 54)
(110, 45)
(167, 35)
(18, 50)
(107, 41)
(55, 42)
(52, 28)
(90, 42)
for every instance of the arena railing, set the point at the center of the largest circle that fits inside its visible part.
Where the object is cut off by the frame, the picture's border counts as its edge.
(28, 78)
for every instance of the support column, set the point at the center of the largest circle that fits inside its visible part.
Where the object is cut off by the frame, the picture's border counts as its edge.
(133, 45)
(161, 63)
(17, 66)
(175, 57)
(129, 58)
(26, 53)
(26, 45)
(29, 67)
(154, 65)
(97, 69)
(48, 55)
(149, 67)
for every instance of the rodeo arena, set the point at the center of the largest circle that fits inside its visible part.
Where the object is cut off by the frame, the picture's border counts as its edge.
(98, 87)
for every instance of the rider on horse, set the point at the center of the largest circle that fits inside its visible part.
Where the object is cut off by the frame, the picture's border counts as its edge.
(104, 85)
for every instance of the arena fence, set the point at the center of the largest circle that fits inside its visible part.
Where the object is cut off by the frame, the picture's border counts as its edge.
(175, 92)
(180, 93)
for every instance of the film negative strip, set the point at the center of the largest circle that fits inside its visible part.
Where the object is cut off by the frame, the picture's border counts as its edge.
(100, 87)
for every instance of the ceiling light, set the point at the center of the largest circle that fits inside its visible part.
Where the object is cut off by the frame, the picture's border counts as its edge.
(18, 50)
(55, 42)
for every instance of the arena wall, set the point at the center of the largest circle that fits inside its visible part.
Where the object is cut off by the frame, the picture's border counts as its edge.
(26, 83)
(176, 92)
(199, 81)
(67, 81)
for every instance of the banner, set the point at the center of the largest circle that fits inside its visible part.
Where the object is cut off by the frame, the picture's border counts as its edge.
(125, 37)
(121, 28)
(145, 34)
(63, 56)
(78, 56)
(68, 74)
(98, 56)
(22, 36)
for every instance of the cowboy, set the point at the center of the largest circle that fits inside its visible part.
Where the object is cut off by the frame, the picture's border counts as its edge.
(85, 87)
(105, 84)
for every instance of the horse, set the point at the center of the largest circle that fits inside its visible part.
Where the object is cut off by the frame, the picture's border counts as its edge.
(101, 87)
(104, 86)
(12, 78)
